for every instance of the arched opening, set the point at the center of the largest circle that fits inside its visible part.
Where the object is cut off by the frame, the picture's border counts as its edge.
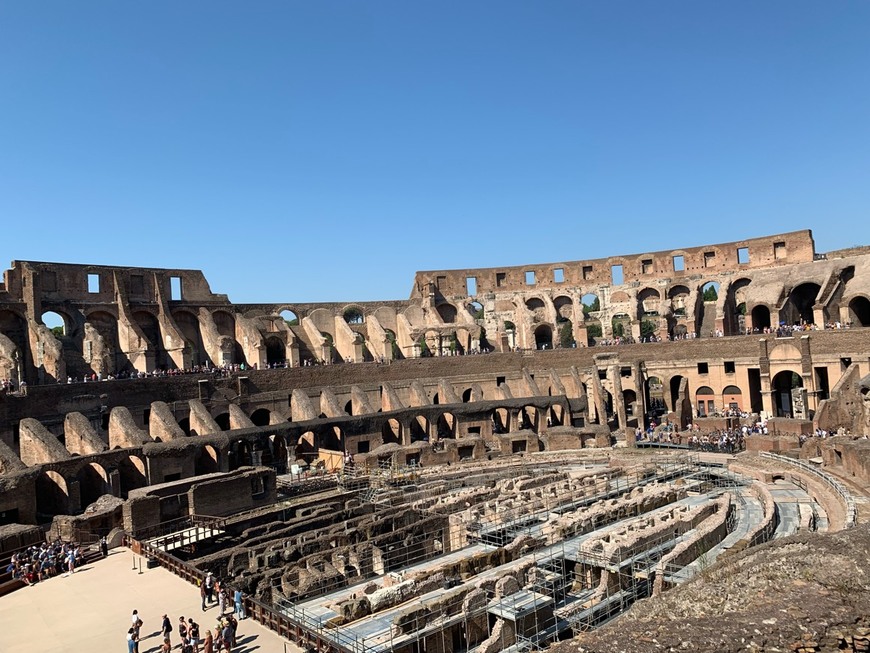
(305, 447)
(290, 318)
(648, 301)
(188, 324)
(732, 398)
(679, 298)
(52, 495)
(783, 384)
(279, 453)
(241, 454)
(705, 312)
(225, 324)
(556, 416)
(466, 395)
(500, 421)
(150, 328)
(859, 311)
(564, 308)
(276, 352)
(705, 401)
(675, 391)
(446, 426)
(760, 317)
(261, 417)
(544, 337)
(419, 429)
(93, 483)
(799, 307)
(735, 308)
(107, 326)
(394, 345)
(223, 420)
(348, 407)
(353, 315)
(621, 325)
(629, 397)
(537, 307)
(207, 460)
(447, 313)
(56, 323)
(330, 437)
(476, 310)
(131, 473)
(529, 418)
(391, 432)
(184, 423)
(655, 400)
(14, 327)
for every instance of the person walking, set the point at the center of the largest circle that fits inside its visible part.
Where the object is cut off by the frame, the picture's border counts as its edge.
(222, 600)
(131, 640)
(203, 594)
(104, 547)
(166, 628)
(239, 603)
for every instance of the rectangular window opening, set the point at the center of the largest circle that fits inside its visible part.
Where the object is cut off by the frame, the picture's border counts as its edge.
(616, 275)
(440, 282)
(703, 368)
(709, 258)
(743, 255)
(679, 263)
(779, 251)
(530, 278)
(175, 288)
(500, 279)
(730, 368)
(93, 283)
(499, 380)
(471, 286)
(587, 272)
(137, 285)
(646, 266)
(559, 275)
(625, 372)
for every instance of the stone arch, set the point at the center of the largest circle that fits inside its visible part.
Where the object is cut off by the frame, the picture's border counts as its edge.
(674, 387)
(782, 385)
(188, 324)
(225, 322)
(556, 415)
(348, 407)
(419, 428)
(131, 474)
(223, 420)
(732, 397)
(330, 437)
(760, 317)
(353, 315)
(52, 494)
(391, 432)
(261, 417)
(290, 317)
(466, 395)
(149, 325)
(476, 309)
(528, 417)
(276, 352)
(207, 460)
(446, 426)
(279, 452)
(106, 325)
(734, 307)
(859, 311)
(501, 420)
(14, 327)
(621, 325)
(799, 307)
(564, 306)
(306, 448)
(654, 393)
(629, 397)
(538, 308)
(679, 300)
(705, 308)
(447, 312)
(93, 483)
(648, 300)
(59, 323)
(704, 400)
(544, 336)
(241, 454)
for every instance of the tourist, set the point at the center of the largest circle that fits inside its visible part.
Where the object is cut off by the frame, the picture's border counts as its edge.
(208, 643)
(132, 640)
(239, 603)
(166, 629)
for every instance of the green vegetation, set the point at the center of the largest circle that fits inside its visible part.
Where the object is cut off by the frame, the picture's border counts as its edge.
(648, 328)
(594, 306)
(509, 326)
(710, 294)
(57, 331)
(594, 330)
(566, 334)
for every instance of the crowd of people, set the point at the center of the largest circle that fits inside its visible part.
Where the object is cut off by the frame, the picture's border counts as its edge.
(39, 563)
(191, 638)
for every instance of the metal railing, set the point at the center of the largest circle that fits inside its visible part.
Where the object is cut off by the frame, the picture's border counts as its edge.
(830, 481)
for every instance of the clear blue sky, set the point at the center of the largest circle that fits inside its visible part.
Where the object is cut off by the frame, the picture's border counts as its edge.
(325, 151)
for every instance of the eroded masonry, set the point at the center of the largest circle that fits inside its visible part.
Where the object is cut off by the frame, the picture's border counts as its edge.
(459, 471)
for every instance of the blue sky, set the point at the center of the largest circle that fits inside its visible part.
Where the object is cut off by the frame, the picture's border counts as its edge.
(325, 151)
